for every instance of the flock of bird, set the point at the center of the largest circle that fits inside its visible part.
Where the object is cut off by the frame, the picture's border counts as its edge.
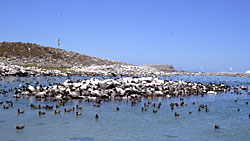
(76, 109)
(97, 103)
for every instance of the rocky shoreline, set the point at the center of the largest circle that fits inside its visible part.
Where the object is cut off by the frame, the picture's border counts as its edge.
(128, 89)
(104, 70)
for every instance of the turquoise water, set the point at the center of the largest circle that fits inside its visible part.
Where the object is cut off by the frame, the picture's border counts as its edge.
(129, 123)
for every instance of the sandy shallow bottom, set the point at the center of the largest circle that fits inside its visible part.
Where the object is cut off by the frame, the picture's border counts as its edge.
(130, 123)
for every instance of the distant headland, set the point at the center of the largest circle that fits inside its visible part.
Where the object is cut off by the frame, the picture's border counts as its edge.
(29, 59)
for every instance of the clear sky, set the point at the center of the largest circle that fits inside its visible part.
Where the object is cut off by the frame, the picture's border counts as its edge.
(192, 35)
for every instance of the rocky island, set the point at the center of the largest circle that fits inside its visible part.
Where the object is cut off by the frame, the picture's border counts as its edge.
(29, 59)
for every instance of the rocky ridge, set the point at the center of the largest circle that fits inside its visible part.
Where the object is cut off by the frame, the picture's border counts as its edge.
(25, 59)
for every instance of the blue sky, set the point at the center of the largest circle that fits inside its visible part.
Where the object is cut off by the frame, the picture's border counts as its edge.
(188, 34)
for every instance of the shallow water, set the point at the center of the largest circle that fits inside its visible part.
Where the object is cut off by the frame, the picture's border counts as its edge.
(129, 123)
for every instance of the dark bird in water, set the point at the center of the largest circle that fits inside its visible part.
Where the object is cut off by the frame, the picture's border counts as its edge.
(246, 102)
(235, 100)
(193, 103)
(143, 109)
(153, 105)
(190, 112)
(96, 116)
(238, 109)
(19, 111)
(10, 104)
(57, 112)
(155, 111)
(199, 109)
(57, 106)
(96, 105)
(78, 113)
(35, 106)
(6, 107)
(176, 114)
(69, 110)
(78, 107)
(41, 113)
(216, 126)
(20, 127)
(117, 108)
(207, 110)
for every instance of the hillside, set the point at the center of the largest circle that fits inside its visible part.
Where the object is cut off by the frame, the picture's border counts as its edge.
(19, 53)
(17, 58)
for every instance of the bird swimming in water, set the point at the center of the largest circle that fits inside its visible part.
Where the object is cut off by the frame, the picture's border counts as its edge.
(41, 113)
(96, 116)
(78, 107)
(19, 111)
(117, 108)
(155, 111)
(20, 127)
(78, 113)
(57, 112)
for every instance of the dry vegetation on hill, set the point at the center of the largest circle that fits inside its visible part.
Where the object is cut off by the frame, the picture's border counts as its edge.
(32, 54)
